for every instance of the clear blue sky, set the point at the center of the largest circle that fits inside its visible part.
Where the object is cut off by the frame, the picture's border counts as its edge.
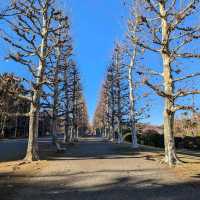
(96, 24)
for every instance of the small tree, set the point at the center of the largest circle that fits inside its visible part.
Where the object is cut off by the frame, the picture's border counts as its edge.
(12, 109)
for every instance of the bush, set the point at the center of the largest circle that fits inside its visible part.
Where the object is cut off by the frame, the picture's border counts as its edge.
(191, 142)
(179, 142)
(128, 138)
(152, 138)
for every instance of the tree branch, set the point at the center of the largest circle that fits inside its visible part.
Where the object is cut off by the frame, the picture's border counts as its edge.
(156, 89)
(186, 77)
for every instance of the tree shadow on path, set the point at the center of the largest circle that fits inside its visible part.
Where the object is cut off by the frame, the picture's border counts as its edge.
(120, 188)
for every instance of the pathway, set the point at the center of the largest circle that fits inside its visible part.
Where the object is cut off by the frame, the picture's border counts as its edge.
(98, 170)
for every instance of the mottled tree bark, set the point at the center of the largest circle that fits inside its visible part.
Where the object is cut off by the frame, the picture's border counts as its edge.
(132, 102)
(170, 153)
(32, 153)
(32, 149)
(55, 97)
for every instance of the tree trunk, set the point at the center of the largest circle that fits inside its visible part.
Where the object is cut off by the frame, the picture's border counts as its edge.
(132, 103)
(16, 126)
(112, 110)
(16, 123)
(105, 132)
(170, 152)
(32, 150)
(54, 130)
(3, 126)
(119, 138)
(66, 133)
(55, 100)
(71, 135)
(118, 88)
(77, 133)
(110, 133)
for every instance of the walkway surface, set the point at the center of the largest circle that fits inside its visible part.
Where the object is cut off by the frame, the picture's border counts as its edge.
(98, 170)
(15, 149)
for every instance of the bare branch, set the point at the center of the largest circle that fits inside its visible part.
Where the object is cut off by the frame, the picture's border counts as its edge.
(183, 93)
(187, 77)
(180, 107)
(155, 88)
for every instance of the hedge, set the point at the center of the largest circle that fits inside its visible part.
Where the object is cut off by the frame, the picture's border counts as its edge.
(157, 140)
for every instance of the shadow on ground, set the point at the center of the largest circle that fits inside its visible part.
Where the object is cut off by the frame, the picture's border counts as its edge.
(122, 188)
(106, 184)
(86, 150)
(89, 150)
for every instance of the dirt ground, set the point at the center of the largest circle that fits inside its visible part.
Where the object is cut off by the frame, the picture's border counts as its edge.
(96, 170)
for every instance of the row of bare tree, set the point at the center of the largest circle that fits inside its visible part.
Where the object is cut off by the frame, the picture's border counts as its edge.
(115, 112)
(162, 48)
(38, 35)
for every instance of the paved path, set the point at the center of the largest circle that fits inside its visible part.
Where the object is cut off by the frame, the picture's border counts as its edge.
(15, 149)
(12, 149)
(95, 170)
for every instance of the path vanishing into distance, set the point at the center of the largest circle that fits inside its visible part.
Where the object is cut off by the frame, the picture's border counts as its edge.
(94, 169)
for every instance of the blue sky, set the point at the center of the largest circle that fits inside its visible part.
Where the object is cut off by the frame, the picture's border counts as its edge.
(95, 27)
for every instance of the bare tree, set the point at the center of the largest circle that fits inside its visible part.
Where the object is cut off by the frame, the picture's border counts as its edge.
(75, 100)
(55, 69)
(102, 122)
(163, 29)
(32, 28)
(73, 107)
(110, 101)
(113, 108)
(132, 98)
(12, 109)
(8, 10)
